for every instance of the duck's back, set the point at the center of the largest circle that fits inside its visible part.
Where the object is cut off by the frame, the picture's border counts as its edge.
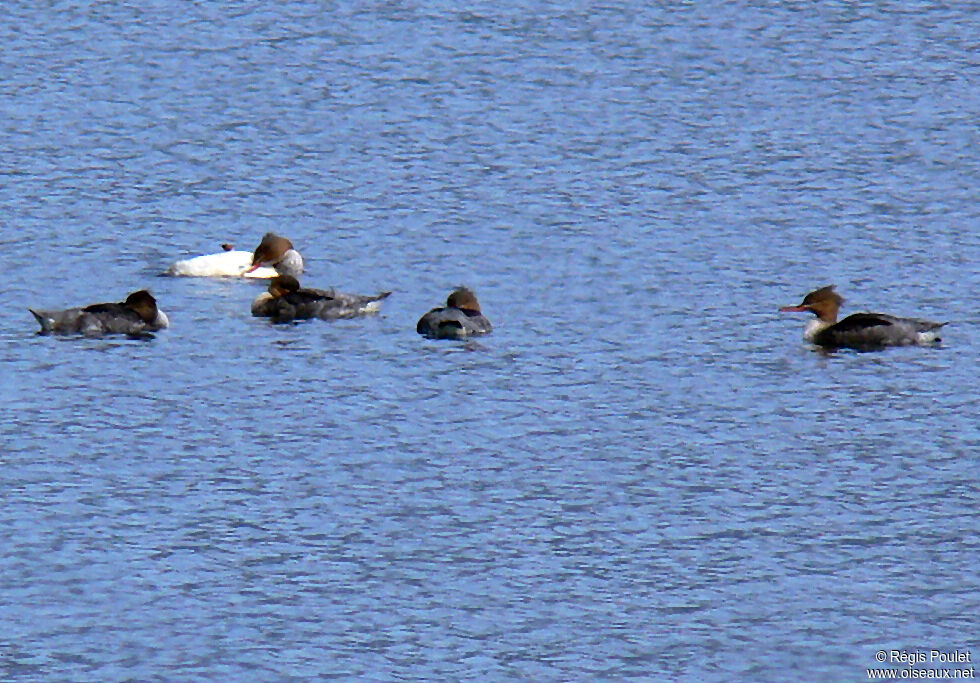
(304, 304)
(336, 304)
(452, 323)
(91, 320)
(877, 330)
(68, 321)
(307, 303)
(224, 264)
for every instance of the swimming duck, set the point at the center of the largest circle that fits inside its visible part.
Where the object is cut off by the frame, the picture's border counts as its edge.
(227, 263)
(461, 317)
(286, 301)
(277, 252)
(138, 314)
(864, 331)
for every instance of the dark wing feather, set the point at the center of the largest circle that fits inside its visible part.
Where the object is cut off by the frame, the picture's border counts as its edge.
(112, 319)
(452, 323)
(305, 296)
(860, 322)
(859, 331)
(112, 309)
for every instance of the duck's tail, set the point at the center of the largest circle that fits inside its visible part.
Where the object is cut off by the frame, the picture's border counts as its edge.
(372, 304)
(44, 320)
(927, 332)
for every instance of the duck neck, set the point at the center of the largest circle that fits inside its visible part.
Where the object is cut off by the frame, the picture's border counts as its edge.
(815, 327)
(291, 263)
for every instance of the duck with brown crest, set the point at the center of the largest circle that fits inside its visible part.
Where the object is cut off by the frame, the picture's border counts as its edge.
(277, 252)
(863, 331)
(287, 301)
(137, 315)
(461, 317)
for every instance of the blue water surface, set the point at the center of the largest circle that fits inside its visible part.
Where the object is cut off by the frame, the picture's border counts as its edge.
(642, 474)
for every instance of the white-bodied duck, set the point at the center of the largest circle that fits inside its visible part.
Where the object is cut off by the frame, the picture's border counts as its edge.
(461, 317)
(863, 331)
(137, 315)
(230, 262)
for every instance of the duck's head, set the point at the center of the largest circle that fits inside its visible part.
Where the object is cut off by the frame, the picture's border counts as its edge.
(463, 298)
(281, 285)
(270, 251)
(825, 303)
(143, 303)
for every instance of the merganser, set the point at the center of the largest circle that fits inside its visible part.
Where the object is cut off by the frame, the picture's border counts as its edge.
(286, 301)
(460, 318)
(228, 263)
(864, 331)
(137, 315)
(279, 253)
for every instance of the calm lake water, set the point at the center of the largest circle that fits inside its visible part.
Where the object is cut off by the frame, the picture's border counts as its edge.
(642, 474)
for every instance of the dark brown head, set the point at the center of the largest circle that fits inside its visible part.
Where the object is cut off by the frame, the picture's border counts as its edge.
(270, 250)
(825, 303)
(143, 303)
(281, 285)
(228, 246)
(462, 297)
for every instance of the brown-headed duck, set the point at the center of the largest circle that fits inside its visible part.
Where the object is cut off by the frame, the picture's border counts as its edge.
(461, 317)
(137, 315)
(864, 331)
(286, 301)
